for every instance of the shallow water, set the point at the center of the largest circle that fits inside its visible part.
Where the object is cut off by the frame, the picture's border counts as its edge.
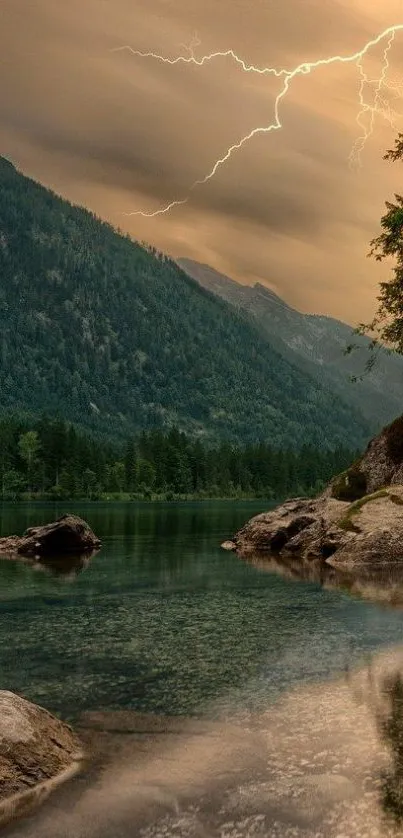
(324, 761)
(162, 620)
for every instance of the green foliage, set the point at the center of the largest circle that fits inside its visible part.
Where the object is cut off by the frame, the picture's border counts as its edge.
(350, 485)
(13, 484)
(114, 337)
(50, 459)
(29, 445)
(387, 325)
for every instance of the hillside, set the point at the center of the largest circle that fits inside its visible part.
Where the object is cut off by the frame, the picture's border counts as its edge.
(315, 344)
(117, 338)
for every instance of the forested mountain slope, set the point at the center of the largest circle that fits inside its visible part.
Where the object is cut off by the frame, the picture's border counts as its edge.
(112, 336)
(315, 344)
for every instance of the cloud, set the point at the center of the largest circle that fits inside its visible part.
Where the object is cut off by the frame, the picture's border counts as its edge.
(120, 133)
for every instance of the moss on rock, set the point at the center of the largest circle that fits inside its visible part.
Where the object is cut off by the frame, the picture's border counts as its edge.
(346, 523)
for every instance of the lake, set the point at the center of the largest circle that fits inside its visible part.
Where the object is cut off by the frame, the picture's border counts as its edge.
(163, 621)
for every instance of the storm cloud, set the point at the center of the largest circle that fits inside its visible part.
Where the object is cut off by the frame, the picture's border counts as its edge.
(119, 133)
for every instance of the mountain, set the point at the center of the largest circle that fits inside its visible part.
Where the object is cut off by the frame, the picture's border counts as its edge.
(315, 344)
(117, 338)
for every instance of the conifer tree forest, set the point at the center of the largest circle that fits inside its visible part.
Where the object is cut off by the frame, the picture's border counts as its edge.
(162, 389)
(115, 338)
(50, 459)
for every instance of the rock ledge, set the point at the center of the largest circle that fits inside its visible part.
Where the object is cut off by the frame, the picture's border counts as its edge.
(345, 535)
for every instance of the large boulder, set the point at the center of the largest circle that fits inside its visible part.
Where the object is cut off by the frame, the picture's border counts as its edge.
(37, 752)
(367, 532)
(69, 535)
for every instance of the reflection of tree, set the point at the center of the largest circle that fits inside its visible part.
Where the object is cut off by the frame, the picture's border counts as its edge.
(392, 733)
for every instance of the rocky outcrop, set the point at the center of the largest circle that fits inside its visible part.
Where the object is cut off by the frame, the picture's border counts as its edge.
(367, 532)
(297, 526)
(37, 752)
(69, 535)
(382, 462)
(356, 522)
(381, 465)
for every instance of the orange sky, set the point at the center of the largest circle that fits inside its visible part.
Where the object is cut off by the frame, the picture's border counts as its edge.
(119, 133)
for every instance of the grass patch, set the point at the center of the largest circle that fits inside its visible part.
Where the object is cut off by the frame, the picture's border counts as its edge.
(346, 523)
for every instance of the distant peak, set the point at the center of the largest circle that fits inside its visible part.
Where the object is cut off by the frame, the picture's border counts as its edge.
(200, 271)
(267, 292)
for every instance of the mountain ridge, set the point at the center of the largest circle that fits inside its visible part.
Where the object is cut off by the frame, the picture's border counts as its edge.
(116, 337)
(315, 343)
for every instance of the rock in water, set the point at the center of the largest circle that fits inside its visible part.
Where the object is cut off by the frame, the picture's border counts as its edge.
(37, 752)
(228, 545)
(356, 522)
(298, 527)
(69, 535)
(347, 536)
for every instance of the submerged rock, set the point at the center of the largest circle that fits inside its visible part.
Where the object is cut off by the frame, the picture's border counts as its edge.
(69, 535)
(37, 752)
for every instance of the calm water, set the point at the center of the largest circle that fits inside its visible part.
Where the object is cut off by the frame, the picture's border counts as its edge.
(162, 620)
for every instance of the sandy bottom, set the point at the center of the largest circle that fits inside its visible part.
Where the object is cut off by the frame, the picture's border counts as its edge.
(318, 764)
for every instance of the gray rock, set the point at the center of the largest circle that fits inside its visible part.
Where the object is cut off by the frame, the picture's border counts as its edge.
(357, 521)
(368, 532)
(228, 545)
(382, 462)
(37, 751)
(295, 526)
(69, 535)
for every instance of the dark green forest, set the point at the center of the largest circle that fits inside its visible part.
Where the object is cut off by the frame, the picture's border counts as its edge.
(50, 459)
(114, 337)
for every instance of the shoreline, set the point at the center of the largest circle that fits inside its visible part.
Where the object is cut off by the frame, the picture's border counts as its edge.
(26, 802)
(316, 761)
(159, 499)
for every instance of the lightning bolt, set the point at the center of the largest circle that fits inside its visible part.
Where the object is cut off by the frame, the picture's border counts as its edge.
(380, 105)
(190, 48)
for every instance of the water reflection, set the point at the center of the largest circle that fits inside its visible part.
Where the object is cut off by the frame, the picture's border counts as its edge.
(64, 566)
(391, 729)
(378, 583)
